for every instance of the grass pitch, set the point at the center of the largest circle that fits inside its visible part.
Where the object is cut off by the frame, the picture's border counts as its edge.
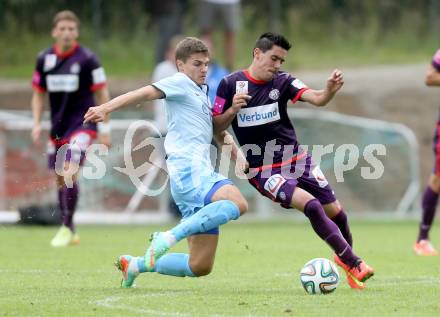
(256, 274)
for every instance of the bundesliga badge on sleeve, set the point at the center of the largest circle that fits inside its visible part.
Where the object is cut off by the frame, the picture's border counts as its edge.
(241, 87)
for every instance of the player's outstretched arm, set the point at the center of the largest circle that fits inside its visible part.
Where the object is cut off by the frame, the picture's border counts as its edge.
(222, 121)
(100, 113)
(432, 77)
(320, 98)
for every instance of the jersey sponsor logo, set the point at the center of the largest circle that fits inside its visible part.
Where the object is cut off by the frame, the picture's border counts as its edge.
(241, 87)
(62, 83)
(248, 117)
(319, 176)
(50, 60)
(98, 76)
(274, 94)
(273, 184)
(298, 84)
(75, 68)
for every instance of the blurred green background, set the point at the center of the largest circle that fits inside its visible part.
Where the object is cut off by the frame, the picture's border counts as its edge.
(123, 33)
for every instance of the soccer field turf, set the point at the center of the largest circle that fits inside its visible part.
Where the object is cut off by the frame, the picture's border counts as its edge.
(256, 274)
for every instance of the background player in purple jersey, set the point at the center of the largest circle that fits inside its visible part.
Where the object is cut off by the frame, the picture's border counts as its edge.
(254, 101)
(72, 77)
(430, 197)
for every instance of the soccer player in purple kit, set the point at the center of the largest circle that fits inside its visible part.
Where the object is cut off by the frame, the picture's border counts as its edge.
(254, 101)
(423, 245)
(72, 76)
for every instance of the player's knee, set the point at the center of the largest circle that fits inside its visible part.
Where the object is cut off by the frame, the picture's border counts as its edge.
(242, 205)
(201, 269)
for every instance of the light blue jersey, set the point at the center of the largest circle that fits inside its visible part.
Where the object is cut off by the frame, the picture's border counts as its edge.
(188, 141)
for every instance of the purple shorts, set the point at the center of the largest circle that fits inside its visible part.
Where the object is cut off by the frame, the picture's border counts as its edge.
(72, 151)
(278, 181)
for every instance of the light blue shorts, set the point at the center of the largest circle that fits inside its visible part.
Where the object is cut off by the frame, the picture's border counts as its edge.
(192, 190)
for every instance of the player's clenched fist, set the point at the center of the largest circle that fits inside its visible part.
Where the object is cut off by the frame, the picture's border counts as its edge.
(335, 81)
(95, 114)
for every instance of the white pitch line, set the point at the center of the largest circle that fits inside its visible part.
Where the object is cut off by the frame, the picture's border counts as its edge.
(112, 303)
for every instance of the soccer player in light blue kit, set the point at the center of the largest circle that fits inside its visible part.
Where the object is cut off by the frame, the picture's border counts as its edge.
(205, 198)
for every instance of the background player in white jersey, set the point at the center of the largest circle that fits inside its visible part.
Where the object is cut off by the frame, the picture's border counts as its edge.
(205, 199)
(73, 78)
(254, 101)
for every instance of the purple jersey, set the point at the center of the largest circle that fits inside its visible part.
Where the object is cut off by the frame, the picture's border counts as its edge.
(70, 78)
(264, 121)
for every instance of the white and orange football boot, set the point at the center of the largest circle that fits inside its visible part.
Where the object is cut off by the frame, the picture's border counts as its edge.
(425, 248)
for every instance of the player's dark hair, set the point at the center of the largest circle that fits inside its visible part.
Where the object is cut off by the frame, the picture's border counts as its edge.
(267, 40)
(65, 15)
(189, 46)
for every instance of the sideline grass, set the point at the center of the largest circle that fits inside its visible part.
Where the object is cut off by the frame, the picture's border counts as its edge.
(256, 274)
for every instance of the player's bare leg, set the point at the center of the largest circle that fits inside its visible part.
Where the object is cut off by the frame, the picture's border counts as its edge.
(202, 249)
(225, 202)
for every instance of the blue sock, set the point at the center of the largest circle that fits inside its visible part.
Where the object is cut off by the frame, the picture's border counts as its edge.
(175, 264)
(209, 217)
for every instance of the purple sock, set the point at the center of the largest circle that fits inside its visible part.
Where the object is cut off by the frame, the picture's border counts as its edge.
(61, 203)
(329, 232)
(341, 221)
(70, 198)
(429, 205)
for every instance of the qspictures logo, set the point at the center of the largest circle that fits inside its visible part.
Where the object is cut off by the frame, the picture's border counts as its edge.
(198, 158)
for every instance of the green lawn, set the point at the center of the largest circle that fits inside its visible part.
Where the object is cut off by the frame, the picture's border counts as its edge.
(256, 274)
